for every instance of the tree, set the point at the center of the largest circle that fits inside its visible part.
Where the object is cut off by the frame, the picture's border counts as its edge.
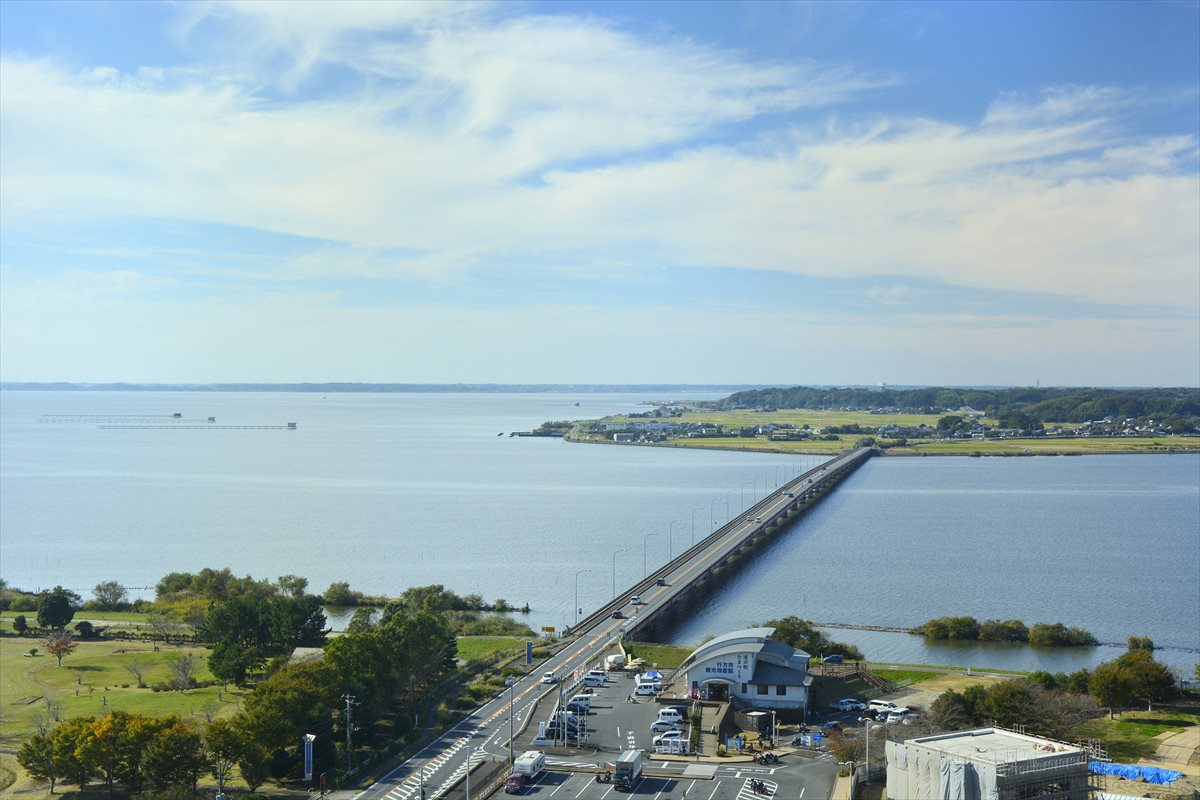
(165, 627)
(111, 596)
(801, 634)
(85, 630)
(175, 757)
(60, 646)
(293, 622)
(137, 668)
(20, 624)
(339, 594)
(224, 746)
(952, 711)
(229, 661)
(39, 758)
(55, 609)
(1111, 685)
(183, 671)
(292, 585)
(1150, 680)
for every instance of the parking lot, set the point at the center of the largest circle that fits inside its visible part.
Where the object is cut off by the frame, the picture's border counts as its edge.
(618, 720)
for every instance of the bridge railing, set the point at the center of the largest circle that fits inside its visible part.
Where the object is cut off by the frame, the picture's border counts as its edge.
(834, 469)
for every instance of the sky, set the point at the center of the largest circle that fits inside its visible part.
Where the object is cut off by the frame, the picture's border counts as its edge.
(718, 192)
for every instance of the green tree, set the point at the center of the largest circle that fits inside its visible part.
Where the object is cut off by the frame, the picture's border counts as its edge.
(949, 422)
(55, 609)
(994, 630)
(60, 646)
(224, 746)
(1009, 703)
(111, 596)
(1150, 680)
(293, 622)
(1111, 685)
(65, 740)
(20, 624)
(292, 585)
(41, 760)
(952, 711)
(339, 594)
(230, 662)
(801, 634)
(175, 757)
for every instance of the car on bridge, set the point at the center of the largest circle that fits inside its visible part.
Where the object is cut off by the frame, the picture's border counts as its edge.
(618, 615)
(549, 677)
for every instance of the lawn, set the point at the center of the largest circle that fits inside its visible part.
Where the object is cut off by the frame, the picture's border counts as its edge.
(799, 417)
(93, 681)
(473, 648)
(669, 656)
(1131, 736)
(1158, 444)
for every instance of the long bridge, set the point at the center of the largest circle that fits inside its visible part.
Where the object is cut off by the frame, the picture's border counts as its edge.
(485, 733)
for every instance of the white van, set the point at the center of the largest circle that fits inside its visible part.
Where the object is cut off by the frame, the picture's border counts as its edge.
(593, 680)
(584, 700)
(669, 715)
(882, 705)
(647, 689)
(899, 716)
(596, 673)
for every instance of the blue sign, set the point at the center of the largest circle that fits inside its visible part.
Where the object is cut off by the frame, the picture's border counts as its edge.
(528, 653)
(308, 761)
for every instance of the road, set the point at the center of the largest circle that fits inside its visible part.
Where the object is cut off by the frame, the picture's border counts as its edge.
(484, 733)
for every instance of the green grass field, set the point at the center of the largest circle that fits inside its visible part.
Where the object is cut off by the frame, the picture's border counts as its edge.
(93, 680)
(472, 648)
(992, 447)
(664, 655)
(1131, 736)
(797, 416)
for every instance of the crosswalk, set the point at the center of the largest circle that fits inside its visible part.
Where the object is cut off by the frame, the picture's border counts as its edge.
(746, 791)
(413, 784)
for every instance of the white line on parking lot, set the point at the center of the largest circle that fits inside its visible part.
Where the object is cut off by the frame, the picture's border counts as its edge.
(714, 791)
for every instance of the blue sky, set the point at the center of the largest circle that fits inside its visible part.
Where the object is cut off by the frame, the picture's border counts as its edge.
(953, 193)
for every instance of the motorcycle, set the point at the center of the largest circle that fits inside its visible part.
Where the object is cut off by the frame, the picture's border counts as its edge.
(603, 777)
(758, 786)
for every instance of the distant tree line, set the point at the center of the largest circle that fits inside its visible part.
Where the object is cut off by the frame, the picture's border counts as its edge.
(1011, 630)
(1037, 404)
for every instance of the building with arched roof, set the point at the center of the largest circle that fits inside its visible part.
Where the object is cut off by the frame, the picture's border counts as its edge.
(751, 666)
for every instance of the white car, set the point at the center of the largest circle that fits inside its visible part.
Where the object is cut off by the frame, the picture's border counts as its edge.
(635, 601)
(549, 677)
(668, 736)
(662, 725)
(848, 704)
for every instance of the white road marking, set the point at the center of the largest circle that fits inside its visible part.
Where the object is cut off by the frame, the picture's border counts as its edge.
(714, 791)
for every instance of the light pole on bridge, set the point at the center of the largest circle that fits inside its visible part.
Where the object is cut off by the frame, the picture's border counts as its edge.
(694, 510)
(577, 574)
(614, 571)
(645, 543)
(712, 520)
(671, 534)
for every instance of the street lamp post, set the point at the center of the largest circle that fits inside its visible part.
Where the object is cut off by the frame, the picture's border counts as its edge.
(867, 756)
(712, 520)
(694, 510)
(645, 543)
(614, 571)
(728, 515)
(671, 534)
(510, 724)
(577, 574)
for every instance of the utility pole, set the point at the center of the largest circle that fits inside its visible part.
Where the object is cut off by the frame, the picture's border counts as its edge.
(349, 698)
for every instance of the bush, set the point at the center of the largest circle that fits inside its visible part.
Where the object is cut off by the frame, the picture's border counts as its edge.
(966, 628)
(1058, 635)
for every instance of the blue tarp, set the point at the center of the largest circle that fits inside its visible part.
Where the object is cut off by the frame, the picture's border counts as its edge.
(1134, 773)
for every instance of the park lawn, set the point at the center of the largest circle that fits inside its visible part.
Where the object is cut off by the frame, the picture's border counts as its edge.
(93, 681)
(758, 443)
(814, 418)
(106, 616)
(1131, 736)
(669, 656)
(473, 648)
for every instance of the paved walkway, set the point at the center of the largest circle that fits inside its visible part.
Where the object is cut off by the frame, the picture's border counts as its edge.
(1178, 751)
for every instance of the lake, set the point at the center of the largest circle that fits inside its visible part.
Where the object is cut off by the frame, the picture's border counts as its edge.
(388, 491)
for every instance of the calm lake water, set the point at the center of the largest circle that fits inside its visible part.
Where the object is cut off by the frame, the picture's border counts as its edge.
(388, 491)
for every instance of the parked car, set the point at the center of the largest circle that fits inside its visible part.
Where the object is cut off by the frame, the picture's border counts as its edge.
(662, 725)
(668, 736)
(848, 704)
(833, 659)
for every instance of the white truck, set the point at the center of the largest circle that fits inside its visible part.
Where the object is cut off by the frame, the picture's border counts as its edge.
(615, 662)
(628, 770)
(525, 768)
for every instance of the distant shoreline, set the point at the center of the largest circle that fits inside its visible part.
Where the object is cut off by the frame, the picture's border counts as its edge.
(376, 388)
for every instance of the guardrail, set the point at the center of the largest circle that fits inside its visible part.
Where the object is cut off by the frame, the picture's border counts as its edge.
(835, 468)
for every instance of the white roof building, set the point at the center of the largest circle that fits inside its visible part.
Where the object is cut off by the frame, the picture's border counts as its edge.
(752, 667)
(987, 764)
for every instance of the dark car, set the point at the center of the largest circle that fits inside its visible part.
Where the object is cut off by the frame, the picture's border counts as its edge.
(834, 659)
(515, 783)
(618, 615)
(661, 582)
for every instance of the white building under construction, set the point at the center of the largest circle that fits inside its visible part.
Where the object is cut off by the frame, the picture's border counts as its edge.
(985, 764)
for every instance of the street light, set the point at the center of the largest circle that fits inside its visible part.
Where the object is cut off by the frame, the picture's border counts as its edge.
(728, 515)
(712, 521)
(577, 574)
(867, 755)
(645, 542)
(671, 533)
(694, 510)
(622, 550)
